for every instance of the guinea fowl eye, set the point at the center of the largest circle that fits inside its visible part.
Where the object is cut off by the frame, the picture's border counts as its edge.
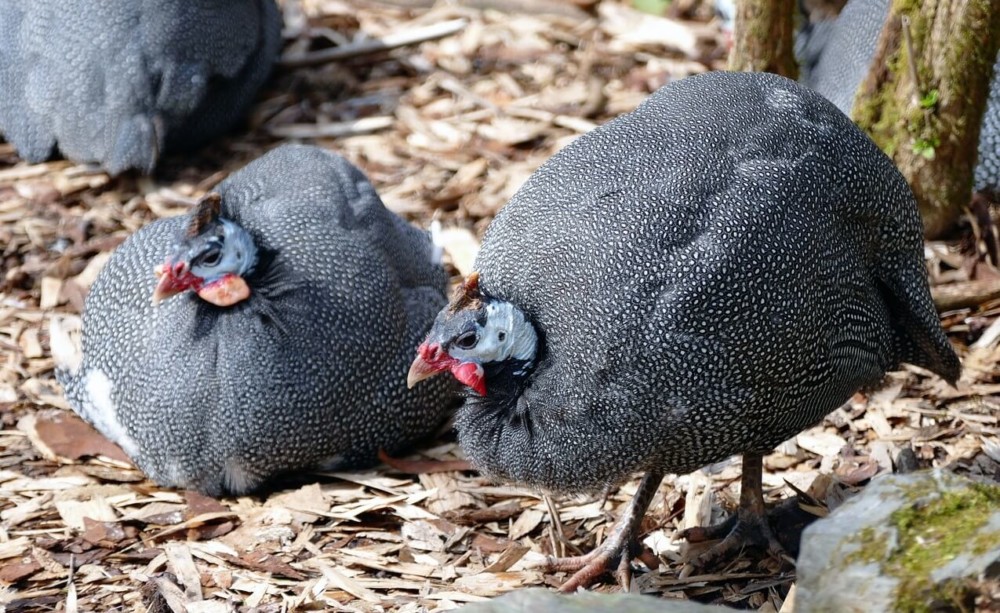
(466, 341)
(211, 258)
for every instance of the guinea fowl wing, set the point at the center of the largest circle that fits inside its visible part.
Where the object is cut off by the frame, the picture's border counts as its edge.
(22, 123)
(229, 69)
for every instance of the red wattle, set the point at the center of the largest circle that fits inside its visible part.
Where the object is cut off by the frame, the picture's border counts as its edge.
(471, 374)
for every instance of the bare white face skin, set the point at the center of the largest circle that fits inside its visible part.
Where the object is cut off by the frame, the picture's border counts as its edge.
(237, 256)
(506, 334)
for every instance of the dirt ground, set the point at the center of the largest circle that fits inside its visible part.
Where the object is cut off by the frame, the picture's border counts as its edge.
(447, 128)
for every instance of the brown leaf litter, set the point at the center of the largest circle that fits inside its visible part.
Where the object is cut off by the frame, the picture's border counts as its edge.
(448, 107)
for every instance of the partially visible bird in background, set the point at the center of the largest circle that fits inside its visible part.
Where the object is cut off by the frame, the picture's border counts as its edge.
(846, 58)
(121, 83)
(815, 24)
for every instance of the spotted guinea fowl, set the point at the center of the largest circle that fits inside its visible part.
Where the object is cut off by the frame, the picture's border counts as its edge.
(117, 83)
(703, 277)
(847, 55)
(287, 311)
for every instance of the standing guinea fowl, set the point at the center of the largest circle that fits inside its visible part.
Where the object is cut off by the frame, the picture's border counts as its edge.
(706, 276)
(275, 334)
(119, 82)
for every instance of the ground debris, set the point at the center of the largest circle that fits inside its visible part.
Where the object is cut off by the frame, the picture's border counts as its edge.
(448, 107)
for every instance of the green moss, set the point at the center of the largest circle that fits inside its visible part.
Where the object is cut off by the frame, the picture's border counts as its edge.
(952, 520)
(653, 7)
(929, 536)
(873, 548)
(892, 122)
(878, 115)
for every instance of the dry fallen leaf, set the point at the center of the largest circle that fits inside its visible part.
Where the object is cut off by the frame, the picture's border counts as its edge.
(821, 442)
(13, 571)
(462, 122)
(73, 512)
(525, 523)
(63, 435)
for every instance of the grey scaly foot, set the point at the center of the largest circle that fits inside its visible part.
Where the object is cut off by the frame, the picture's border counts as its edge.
(591, 566)
(747, 527)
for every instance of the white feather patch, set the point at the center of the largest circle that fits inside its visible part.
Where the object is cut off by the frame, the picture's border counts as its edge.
(459, 244)
(64, 340)
(102, 413)
(237, 479)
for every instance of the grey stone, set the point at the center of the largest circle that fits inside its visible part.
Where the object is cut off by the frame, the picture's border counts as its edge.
(906, 540)
(538, 599)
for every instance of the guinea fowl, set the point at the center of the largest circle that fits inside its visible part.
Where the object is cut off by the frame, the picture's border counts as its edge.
(847, 56)
(703, 277)
(288, 309)
(119, 82)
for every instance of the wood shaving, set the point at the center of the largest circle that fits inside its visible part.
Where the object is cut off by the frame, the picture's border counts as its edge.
(448, 107)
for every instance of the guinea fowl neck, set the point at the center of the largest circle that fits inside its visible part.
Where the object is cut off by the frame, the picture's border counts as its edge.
(505, 381)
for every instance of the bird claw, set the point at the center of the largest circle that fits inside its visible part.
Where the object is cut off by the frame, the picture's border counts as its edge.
(591, 566)
(742, 529)
(700, 534)
(554, 564)
(617, 546)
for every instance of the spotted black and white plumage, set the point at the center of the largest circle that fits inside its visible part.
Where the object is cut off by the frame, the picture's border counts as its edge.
(119, 82)
(309, 371)
(987, 175)
(845, 61)
(707, 276)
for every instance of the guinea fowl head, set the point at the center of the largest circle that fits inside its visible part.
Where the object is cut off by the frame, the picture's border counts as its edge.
(485, 343)
(212, 258)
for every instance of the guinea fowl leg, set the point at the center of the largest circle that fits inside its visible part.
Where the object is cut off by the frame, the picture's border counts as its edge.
(748, 526)
(591, 566)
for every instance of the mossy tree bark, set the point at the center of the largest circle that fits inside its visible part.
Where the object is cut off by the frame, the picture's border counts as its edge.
(924, 98)
(764, 37)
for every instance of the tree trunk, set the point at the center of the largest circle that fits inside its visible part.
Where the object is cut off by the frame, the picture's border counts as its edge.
(924, 97)
(764, 37)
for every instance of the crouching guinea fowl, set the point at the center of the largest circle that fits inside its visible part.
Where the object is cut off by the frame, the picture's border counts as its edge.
(287, 309)
(703, 277)
(118, 83)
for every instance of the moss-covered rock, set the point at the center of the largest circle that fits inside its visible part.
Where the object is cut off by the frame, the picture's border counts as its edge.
(907, 543)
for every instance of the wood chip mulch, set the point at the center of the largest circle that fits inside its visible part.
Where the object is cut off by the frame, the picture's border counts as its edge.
(448, 107)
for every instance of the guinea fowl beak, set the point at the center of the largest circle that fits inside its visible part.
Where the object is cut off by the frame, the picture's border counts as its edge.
(167, 286)
(225, 291)
(431, 360)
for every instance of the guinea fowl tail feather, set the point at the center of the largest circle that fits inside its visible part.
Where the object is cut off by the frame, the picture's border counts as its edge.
(137, 144)
(917, 332)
